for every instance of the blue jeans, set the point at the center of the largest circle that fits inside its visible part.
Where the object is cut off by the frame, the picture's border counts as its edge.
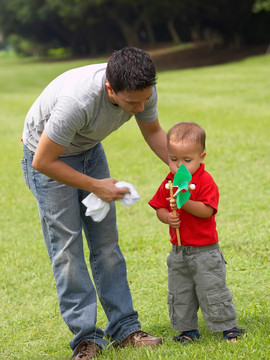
(63, 218)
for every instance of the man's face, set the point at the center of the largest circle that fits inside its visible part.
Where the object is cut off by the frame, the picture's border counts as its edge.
(132, 101)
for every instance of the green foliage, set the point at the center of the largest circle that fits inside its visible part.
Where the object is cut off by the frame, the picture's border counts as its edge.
(59, 53)
(31, 27)
(25, 47)
(88, 27)
(232, 103)
(261, 5)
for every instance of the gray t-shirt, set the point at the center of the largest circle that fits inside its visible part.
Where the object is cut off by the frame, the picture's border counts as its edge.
(75, 111)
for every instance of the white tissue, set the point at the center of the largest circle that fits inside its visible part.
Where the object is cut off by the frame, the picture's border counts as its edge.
(128, 199)
(98, 209)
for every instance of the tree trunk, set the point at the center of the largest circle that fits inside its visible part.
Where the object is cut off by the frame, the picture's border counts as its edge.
(150, 32)
(174, 34)
(196, 33)
(129, 31)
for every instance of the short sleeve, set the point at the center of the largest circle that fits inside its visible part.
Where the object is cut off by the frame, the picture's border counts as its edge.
(159, 201)
(65, 121)
(209, 193)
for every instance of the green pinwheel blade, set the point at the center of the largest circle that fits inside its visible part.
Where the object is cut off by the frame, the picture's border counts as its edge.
(182, 176)
(181, 198)
(182, 179)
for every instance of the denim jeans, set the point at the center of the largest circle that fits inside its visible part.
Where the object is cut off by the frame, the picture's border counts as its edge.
(63, 218)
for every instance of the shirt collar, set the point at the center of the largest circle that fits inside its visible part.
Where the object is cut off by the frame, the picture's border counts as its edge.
(195, 177)
(198, 173)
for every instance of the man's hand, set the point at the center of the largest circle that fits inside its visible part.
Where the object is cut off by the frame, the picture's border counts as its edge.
(106, 190)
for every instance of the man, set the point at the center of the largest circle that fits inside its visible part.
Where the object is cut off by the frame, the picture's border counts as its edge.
(63, 162)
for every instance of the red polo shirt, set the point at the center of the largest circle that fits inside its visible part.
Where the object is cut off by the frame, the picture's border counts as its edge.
(194, 231)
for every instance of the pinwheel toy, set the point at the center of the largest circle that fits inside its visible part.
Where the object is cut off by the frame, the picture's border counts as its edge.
(181, 180)
(182, 194)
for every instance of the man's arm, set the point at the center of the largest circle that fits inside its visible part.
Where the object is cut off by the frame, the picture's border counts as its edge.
(155, 137)
(46, 161)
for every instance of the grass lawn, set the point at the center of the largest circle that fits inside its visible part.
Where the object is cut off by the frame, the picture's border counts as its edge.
(232, 103)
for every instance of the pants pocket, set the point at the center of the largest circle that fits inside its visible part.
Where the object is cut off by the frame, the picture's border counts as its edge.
(214, 261)
(25, 172)
(171, 307)
(221, 307)
(183, 310)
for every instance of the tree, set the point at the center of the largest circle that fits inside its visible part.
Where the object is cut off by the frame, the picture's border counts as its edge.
(261, 5)
(33, 21)
(228, 18)
(132, 17)
(172, 12)
(88, 27)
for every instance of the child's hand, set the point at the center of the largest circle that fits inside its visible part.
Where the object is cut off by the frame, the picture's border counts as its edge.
(173, 203)
(173, 220)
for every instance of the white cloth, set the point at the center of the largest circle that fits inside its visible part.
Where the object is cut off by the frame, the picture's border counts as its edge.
(128, 199)
(98, 209)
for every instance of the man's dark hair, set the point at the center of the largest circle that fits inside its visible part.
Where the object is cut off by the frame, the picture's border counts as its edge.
(130, 69)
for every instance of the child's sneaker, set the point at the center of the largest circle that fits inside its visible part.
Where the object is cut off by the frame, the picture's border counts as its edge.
(187, 336)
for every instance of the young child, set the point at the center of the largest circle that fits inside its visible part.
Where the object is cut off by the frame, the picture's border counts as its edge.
(196, 270)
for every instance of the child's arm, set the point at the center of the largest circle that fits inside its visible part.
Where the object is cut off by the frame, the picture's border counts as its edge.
(168, 217)
(196, 208)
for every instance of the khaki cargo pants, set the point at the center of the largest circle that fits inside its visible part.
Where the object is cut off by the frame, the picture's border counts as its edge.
(197, 278)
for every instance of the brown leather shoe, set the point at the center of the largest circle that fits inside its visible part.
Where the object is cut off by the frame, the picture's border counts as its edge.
(140, 338)
(86, 350)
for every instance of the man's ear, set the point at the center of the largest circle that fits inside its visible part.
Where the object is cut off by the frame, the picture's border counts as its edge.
(108, 86)
(110, 92)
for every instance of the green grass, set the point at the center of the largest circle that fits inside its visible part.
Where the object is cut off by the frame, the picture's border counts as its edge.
(232, 103)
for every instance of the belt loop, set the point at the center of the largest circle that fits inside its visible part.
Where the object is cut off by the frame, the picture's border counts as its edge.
(178, 251)
(189, 250)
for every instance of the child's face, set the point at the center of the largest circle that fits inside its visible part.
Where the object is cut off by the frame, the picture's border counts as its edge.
(188, 153)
